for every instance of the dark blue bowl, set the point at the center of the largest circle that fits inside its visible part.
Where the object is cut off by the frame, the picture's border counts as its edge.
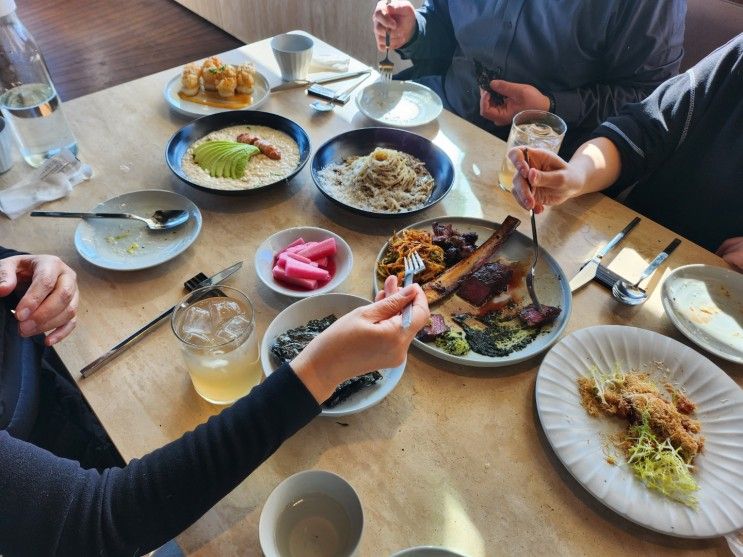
(179, 143)
(365, 140)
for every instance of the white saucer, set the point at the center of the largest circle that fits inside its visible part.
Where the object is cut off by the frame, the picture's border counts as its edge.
(706, 304)
(403, 104)
(128, 245)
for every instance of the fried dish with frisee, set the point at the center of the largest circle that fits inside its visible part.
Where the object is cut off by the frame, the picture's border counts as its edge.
(661, 440)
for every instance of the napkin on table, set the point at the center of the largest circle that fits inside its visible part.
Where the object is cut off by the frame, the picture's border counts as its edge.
(52, 180)
(329, 62)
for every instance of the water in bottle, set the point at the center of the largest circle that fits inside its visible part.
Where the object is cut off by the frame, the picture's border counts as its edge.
(28, 99)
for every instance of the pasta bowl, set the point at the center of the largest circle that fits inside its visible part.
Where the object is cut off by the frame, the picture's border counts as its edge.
(362, 142)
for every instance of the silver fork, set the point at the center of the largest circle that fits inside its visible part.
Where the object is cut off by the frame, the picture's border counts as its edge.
(530, 274)
(413, 265)
(386, 67)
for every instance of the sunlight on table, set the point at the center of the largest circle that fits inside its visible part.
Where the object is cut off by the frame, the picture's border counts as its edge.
(460, 532)
(462, 200)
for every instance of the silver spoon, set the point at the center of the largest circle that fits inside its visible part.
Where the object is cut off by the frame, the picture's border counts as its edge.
(330, 103)
(632, 294)
(160, 219)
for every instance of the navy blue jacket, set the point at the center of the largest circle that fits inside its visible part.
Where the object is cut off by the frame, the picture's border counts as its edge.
(592, 56)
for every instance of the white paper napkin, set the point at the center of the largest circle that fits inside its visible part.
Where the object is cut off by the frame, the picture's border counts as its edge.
(329, 62)
(52, 180)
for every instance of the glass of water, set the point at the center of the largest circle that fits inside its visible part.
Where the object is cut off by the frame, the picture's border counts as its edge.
(533, 128)
(216, 327)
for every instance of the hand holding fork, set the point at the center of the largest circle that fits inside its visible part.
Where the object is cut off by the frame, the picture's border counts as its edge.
(413, 265)
(386, 67)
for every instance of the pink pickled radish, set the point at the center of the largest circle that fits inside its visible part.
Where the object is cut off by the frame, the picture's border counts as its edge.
(297, 269)
(297, 242)
(319, 250)
(281, 260)
(280, 275)
(298, 247)
(322, 262)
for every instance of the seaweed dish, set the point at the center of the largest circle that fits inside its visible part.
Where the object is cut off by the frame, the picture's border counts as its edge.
(289, 344)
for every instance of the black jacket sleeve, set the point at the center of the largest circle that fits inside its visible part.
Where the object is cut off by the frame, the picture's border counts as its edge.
(648, 133)
(50, 506)
(7, 252)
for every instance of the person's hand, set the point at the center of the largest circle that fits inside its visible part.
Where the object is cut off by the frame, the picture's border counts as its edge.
(516, 97)
(368, 338)
(731, 250)
(545, 180)
(399, 18)
(51, 298)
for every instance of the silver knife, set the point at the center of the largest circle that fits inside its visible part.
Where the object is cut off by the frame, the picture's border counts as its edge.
(95, 365)
(308, 82)
(589, 268)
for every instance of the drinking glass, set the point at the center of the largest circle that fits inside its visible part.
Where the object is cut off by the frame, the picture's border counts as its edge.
(216, 327)
(533, 128)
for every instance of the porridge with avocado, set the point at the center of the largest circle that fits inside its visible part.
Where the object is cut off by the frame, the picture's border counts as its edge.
(240, 158)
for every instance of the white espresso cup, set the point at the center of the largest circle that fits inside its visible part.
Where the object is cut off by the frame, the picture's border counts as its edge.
(294, 55)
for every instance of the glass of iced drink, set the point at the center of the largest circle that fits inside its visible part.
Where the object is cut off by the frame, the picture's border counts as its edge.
(533, 128)
(216, 327)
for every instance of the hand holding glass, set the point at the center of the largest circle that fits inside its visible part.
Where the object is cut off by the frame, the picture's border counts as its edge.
(532, 128)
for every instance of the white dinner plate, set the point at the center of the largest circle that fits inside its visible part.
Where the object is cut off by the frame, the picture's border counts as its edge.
(128, 245)
(550, 283)
(317, 307)
(580, 441)
(261, 90)
(403, 104)
(706, 304)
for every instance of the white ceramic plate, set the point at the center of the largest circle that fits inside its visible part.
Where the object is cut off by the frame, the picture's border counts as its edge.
(580, 442)
(403, 104)
(266, 252)
(128, 245)
(316, 307)
(261, 90)
(706, 304)
(550, 283)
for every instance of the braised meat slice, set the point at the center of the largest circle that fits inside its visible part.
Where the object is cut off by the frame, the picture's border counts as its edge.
(436, 327)
(533, 317)
(489, 280)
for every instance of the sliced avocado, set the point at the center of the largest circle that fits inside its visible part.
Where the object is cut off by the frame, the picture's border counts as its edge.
(224, 159)
(218, 166)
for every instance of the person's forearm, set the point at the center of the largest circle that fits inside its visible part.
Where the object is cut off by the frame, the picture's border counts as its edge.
(595, 166)
(135, 509)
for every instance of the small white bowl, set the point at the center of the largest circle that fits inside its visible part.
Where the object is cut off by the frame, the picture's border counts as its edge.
(317, 307)
(303, 484)
(266, 252)
(427, 551)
